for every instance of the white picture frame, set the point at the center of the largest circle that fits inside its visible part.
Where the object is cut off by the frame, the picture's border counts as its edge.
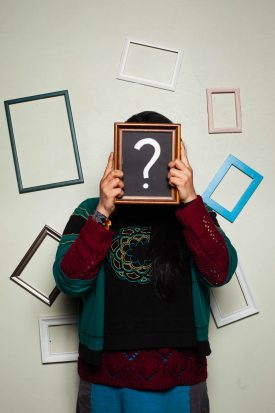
(149, 82)
(46, 355)
(236, 315)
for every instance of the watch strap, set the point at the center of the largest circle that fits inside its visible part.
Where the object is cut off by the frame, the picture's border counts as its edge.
(101, 219)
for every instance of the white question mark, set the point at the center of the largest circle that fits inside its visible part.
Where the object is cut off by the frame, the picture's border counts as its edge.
(156, 146)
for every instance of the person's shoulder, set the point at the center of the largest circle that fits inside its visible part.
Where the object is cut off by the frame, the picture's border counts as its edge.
(86, 207)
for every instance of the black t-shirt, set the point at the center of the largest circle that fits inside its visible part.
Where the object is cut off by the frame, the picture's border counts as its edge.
(135, 316)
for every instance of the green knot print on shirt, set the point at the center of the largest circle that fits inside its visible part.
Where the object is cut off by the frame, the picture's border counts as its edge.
(128, 254)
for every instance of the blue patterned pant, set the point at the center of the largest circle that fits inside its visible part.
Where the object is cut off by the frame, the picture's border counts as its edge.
(95, 398)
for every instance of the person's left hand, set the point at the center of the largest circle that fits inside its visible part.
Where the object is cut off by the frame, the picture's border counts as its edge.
(181, 176)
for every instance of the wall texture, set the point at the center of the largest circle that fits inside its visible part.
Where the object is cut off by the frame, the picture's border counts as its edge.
(56, 45)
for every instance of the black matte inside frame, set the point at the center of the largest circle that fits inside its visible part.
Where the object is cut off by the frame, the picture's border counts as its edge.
(133, 157)
(21, 188)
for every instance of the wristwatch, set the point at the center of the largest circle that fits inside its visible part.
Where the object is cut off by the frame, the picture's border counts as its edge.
(101, 219)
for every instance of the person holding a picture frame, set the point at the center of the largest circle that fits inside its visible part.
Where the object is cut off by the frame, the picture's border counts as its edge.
(143, 274)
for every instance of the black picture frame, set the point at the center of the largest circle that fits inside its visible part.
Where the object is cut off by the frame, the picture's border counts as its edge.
(160, 144)
(79, 179)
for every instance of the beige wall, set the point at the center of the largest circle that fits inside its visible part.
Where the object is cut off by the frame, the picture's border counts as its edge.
(55, 45)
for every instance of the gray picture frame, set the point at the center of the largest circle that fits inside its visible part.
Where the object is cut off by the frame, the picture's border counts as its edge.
(15, 277)
(22, 189)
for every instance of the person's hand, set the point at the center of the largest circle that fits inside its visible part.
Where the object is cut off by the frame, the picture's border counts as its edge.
(111, 186)
(181, 176)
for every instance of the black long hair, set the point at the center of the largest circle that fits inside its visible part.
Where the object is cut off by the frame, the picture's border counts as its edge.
(167, 249)
(148, 117)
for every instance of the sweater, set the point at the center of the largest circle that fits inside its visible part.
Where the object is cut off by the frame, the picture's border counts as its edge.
(81, 273)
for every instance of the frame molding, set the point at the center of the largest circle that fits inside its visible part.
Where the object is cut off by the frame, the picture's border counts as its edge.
(231, 160)
(148, 82)
(244, 312)
(211, 127)
(46, 231)
(175, 129)
(21, 188)
(46, 355)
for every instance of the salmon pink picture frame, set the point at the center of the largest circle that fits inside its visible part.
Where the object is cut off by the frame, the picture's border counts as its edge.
(211, 120)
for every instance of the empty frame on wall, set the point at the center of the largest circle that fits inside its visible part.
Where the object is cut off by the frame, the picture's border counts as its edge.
(236, 120)
(61, 345)
(150, 64)
(233, 301)
(256, 178)
(43, 141)
(41, 273)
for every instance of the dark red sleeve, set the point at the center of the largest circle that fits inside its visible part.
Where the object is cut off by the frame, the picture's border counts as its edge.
(83, 258)
(205, 241)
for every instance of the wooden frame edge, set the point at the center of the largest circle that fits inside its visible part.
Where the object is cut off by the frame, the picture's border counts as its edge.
(118, 126)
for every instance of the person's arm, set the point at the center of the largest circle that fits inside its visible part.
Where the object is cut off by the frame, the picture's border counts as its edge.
(214, 256)
(87, 252)
(85, 242)
(212, 252)
(81, 250)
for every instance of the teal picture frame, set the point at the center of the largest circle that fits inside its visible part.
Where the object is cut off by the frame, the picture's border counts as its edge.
(21, 187)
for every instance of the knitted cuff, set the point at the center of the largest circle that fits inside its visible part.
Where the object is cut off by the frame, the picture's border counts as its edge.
(193, 215)
(101, 235)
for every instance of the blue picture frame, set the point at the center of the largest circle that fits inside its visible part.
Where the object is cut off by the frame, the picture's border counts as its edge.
(21, 188)
(231, 160)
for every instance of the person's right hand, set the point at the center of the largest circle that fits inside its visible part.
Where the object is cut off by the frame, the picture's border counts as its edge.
(111, 186)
